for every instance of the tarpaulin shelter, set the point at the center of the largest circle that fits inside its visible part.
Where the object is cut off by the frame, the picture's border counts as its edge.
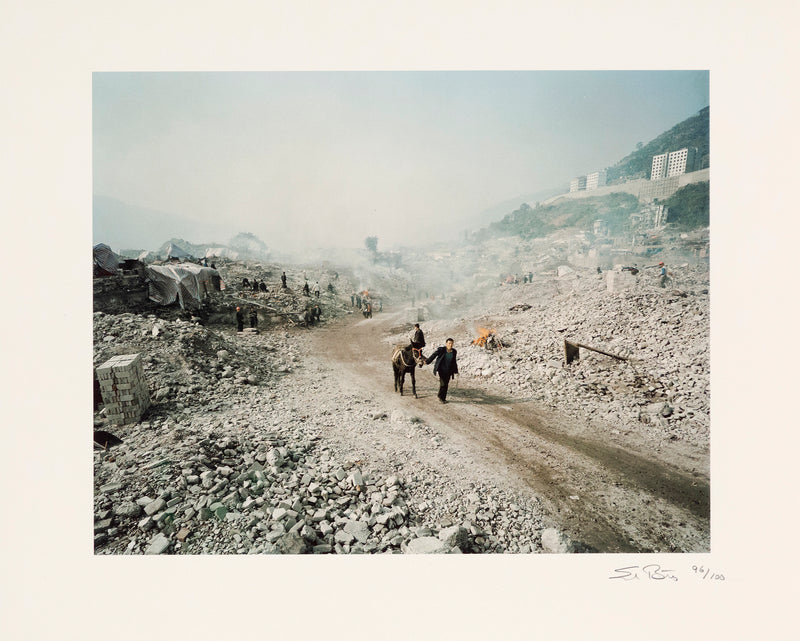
(106, 262)
(173, 251)
(187, 282)
(147, 256)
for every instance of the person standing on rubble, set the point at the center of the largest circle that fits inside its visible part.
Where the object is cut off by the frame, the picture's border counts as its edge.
(306, 290)
(445, 365)
(283, 280)
(418, 340)
(316, 289)
(253, 317)
(239, 319)
(662, 275)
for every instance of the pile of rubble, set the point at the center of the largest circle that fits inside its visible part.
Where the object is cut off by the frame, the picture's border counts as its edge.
(661, 389)
(233, 458)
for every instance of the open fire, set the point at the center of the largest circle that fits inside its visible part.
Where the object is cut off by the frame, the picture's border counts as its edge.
(483, 336)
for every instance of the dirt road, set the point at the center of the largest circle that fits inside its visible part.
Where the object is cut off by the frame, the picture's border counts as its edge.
(620, 495)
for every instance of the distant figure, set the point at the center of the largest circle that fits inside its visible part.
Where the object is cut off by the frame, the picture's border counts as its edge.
(317, 312)
(239, 319)
(283, 280)
(316, 289)
(662, 275)
(352, 300)
(530, 277)
(599, 271)
(255, 285)
(245, 282)
(418, 340)
(306, 290)
(263, 286)
(253, 317)
(446, 366)
(358, 301)
(330, 287)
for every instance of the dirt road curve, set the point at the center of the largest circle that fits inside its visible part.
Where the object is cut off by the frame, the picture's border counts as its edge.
(621, 495)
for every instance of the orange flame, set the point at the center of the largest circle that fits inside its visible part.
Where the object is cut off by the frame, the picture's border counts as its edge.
(483, 337)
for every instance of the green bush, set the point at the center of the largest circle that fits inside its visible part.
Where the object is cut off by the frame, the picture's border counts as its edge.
(689, 206)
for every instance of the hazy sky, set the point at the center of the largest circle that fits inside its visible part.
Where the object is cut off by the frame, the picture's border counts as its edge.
(327, 158)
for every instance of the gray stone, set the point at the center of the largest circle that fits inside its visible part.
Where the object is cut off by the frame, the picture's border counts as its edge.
(359, 529)
(343, 536)
(158, 544)
(553, 542)
(154, 506)
(291, 543)
(127, 509)
(102, 526)
(426, 545)
(108, 488)
(455, 536)
(322, 548)
(275, 458)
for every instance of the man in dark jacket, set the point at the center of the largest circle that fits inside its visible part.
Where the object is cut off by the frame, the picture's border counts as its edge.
(239, 319)
(418, 340)
(445, 365)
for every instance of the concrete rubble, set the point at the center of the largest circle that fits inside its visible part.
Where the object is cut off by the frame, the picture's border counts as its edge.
(662, 390)
(229, 460)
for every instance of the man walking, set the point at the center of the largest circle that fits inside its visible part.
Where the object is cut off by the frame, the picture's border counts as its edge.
(446, 366)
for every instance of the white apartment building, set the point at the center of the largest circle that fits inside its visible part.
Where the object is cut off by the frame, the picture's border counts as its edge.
(659, 168)
(596, 179)
(673, 163)
(577, 184)
(680, 162)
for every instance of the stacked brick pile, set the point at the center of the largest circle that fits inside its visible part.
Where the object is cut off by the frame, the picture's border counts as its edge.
(124, 389)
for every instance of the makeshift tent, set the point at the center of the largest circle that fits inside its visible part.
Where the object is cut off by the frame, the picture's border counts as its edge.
(173, 251)
(148, 256)
(187, 282)
(106, 262)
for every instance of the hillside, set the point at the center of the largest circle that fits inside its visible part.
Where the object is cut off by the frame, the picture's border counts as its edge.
(692, 132)
(527, 222)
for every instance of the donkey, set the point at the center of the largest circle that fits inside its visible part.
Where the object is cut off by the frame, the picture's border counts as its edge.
(404, 361)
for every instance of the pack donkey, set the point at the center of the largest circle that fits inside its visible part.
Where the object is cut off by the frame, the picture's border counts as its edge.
(404, 361)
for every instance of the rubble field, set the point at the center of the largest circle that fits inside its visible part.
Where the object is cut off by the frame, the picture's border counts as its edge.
(291, 439)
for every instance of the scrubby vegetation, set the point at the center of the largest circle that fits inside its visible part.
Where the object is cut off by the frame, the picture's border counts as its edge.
(689, 206)
(527, 222)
